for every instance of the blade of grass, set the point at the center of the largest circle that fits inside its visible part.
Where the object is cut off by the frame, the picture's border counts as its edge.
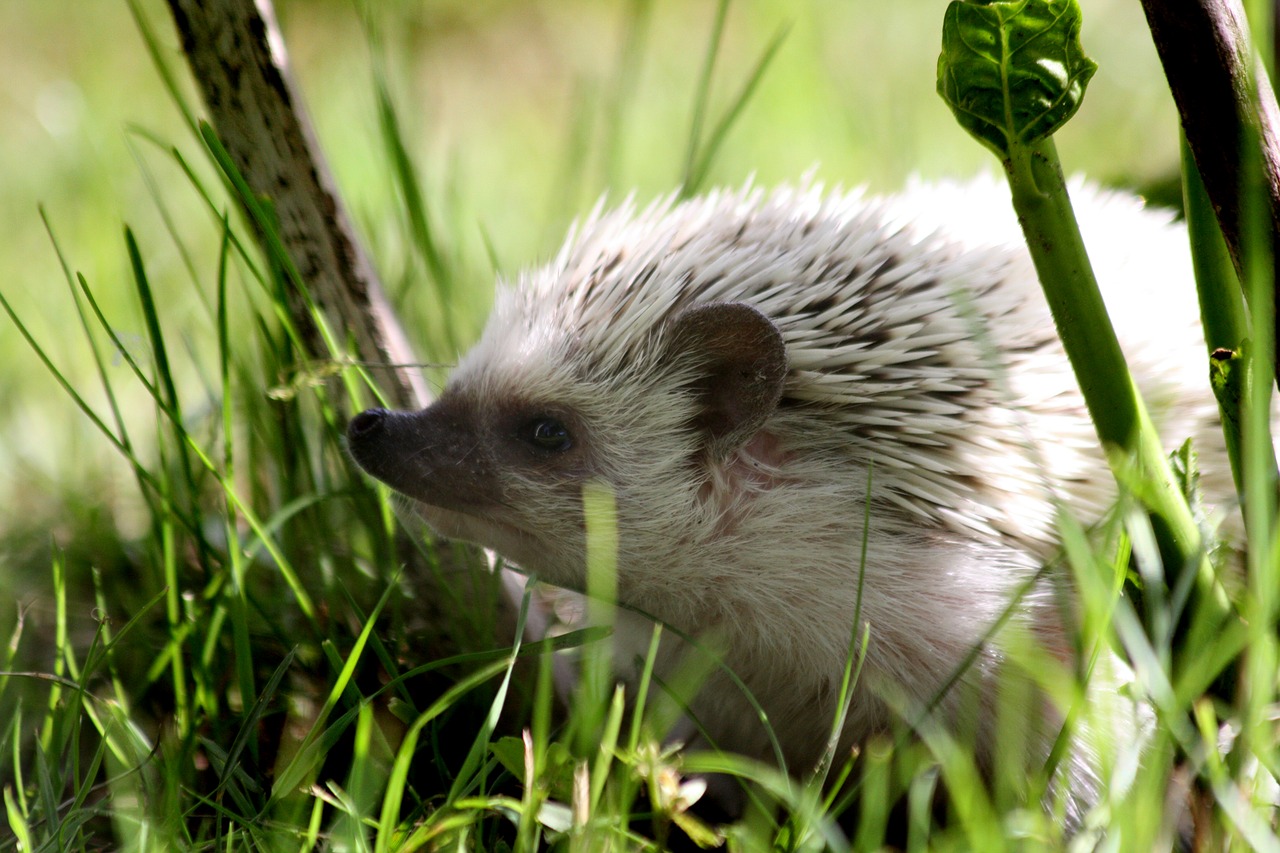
(397, 780)
(157, 53)
(99, 364)
(306, 756)
(408, 182)
(621, 94)
(17, 821)
(248, 730)
(695, 176)
(701, 96)
(480, 746)
(61, 646)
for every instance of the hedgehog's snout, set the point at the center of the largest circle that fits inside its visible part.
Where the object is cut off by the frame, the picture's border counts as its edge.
(366, 424)
(370, 442)
(435, 455)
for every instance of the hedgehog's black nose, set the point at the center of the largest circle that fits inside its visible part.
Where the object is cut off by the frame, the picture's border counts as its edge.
(366, 423)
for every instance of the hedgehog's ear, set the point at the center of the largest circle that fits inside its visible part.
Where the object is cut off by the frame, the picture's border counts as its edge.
(742, 362)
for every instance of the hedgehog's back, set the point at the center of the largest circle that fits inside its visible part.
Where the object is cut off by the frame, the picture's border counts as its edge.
(914, 323)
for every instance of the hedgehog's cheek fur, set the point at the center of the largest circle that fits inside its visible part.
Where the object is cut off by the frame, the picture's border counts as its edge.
(551, 558)
(709, 385)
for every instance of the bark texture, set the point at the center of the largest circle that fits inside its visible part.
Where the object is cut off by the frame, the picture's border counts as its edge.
(238, 59)
(1225, 102)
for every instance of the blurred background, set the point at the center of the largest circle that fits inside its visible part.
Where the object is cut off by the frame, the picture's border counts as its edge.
(519, 115)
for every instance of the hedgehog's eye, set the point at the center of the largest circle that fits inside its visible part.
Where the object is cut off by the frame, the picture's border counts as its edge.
(548, 434)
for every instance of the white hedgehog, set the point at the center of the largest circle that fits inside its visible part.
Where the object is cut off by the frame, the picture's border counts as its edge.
(738, 368)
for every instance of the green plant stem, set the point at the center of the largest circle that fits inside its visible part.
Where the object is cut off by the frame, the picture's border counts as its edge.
(1222, 313)
(1119, 416)
(1221, 303)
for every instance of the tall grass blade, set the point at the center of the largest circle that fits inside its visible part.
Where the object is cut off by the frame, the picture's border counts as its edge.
(701, 97)
(695, 176)
(307, 756)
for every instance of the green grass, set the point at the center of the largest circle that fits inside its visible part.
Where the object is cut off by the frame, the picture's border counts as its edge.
(215, 636)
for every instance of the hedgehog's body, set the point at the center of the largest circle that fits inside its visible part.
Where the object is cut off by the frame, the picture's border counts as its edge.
(901, 345)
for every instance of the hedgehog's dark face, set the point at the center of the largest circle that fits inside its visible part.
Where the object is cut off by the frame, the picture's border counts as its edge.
(501, 458)
(472, 465)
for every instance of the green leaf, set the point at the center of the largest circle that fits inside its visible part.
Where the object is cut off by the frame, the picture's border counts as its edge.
(1012, 72)
(510, 754)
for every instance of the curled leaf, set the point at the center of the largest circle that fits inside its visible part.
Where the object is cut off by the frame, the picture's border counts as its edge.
(1012, 72)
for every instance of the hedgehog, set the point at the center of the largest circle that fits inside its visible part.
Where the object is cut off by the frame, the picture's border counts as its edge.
(810, 407)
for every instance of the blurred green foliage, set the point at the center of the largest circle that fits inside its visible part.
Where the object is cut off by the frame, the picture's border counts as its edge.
(523, 115)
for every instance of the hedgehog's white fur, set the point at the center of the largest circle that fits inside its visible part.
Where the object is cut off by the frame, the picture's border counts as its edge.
(919, 346)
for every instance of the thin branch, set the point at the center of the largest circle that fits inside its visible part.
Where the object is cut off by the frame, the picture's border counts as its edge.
(238, 60)
(1225, 99)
